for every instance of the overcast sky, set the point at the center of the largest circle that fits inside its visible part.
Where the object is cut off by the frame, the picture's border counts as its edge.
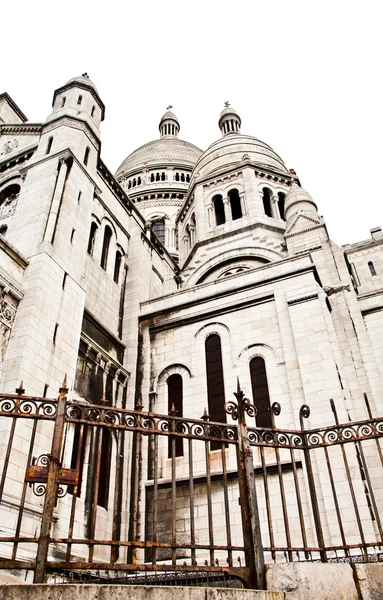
(305, 78)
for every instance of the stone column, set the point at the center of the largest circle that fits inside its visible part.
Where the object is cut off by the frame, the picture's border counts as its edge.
(226, 206)
(275, 208)
(65, 163)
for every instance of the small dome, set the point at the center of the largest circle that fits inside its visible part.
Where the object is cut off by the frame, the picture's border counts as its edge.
(228, 111)
(84, 80)
(298, 198)
(169, 115)
(165, 151)
(231, 149)
(229, 121)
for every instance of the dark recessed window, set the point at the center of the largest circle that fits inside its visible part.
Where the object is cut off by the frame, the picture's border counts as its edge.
(175, 401)
(266, 199)
(105, 247)
(219, 210)
(235, 204)
(260, 390)
(215, 383)
(92, 238)
(372, 268)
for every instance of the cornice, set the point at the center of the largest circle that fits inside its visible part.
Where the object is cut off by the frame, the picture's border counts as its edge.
(75, 124)
(112, 216)
(13, 253)
(21, 129)
(17, 159)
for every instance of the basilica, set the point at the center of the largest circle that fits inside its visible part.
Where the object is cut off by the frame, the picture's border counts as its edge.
(161, 285)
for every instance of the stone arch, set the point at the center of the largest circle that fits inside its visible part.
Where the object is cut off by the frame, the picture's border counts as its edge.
(160, 388)
(224, 332)
(250, 252)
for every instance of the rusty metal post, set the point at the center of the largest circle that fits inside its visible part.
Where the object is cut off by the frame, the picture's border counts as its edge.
(51, 487)
(248, 496)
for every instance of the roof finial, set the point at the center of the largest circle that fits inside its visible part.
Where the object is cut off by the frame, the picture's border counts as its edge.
(226, 104)
(169, 107)
(85, 75)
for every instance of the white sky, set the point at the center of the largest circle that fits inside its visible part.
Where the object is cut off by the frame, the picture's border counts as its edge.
(305, 77)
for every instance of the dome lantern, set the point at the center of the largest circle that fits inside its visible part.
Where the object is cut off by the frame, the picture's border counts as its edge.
(229, 121)
(169, 125)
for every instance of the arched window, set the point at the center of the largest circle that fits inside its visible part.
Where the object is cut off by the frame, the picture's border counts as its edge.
(372, 268)
(177, 176)
(281, 204)
(139, 181)
(152, 177)
(260, 390)
(219, 210)
(266, 199)
(63, 102)
(175, 399)
(86, 156)
(105, 247)
(235, 204)
(79, 100)
(129, 185)
(3, 230)
(117, 266)
(11, 192)
(92, 238)
(188, 178)
(162, 176)
(215, 384)
(158, 177)
(49, 145)
(182, 176)
(159, 230)
(104, 478)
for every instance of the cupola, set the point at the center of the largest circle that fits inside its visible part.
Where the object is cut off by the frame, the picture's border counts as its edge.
(169, 125)
(229, 120)
(299, 201)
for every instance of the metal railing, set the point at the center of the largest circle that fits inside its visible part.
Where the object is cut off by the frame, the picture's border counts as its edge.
(90, 488)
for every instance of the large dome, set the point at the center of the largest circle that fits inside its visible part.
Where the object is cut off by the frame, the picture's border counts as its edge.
(162, 152)
(234, 149)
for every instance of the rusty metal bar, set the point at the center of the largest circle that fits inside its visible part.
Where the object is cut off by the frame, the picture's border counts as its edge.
(377, 442)
(74, 490)
(155, 499)
(51, 488)
(119, 454)
(24, 492)
(370, 488)
(174, 498)
(349, 480)
(299, 501)
(208, 493)
(96, 480)
(267, 498)
(335, 498)
(227, 506)
(191, 502)
(304, 413)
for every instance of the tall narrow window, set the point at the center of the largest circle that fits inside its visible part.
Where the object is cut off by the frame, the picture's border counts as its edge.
(266, 199)
(159, 230)
(219, 210)
(49, 145)
(86, 156)
(78, 456)
(260, 390)
(235, 204)
(79, 100)
(215, 385)
(92, 238)
(281, 204)
(175, 399)
(152, 177)
(117, 266)
(3, 230)
(105, 247)
(372, 268)
(92, 111)
(63, 102)
(103, 482)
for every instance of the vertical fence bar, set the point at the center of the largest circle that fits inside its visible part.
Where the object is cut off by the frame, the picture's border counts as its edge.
(155, 497)
(227, 507)
(304, 413)
(370, 488)
(249, 504)
(275, 410)
(114, 550)
(24, 492)
(299, 501)
(208, 490)
(350, 485)
(191, 494)
(267, 498)
(377, 440)
(51, 487)
(74, 491)
(174, 490)
(336, 503)
(99, 432)
(19, 391)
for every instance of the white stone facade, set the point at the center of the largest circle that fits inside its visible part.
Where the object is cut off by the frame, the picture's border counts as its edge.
(95, 295)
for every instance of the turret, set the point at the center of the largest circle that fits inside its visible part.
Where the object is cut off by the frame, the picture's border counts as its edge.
(79, 98)
(169, 125)
(229, 120)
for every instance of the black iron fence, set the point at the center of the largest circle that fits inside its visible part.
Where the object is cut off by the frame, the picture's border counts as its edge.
(95, 489)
